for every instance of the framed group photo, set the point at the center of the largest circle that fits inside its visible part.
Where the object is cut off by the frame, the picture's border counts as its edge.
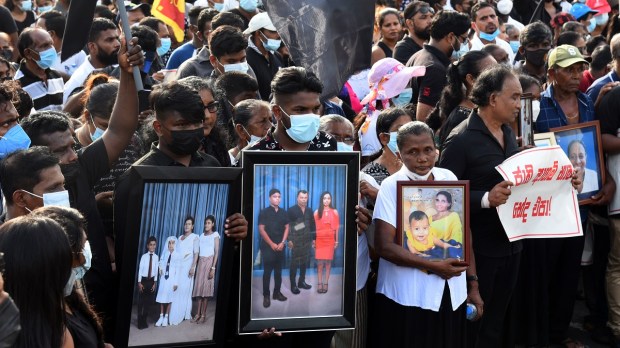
(298, 265)
(433, 218)
(176, 271)
(582, 144)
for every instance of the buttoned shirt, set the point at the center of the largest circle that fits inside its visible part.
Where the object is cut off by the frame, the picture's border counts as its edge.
(143, 270)
(551, 114)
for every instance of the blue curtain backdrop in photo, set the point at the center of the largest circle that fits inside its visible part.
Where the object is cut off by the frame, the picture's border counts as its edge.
(589, 139)
(289, 179)
(166, 205)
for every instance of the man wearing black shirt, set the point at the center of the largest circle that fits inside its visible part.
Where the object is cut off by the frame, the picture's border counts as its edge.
(418, 16)
(273, 229)
(263, 43)
(302, 230)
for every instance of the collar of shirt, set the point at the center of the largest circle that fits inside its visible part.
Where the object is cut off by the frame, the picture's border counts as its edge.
(26, 72)
(551, 114)
(203, 55)
(613, 76)
(443, 58)
(253, 46)
(475, 122)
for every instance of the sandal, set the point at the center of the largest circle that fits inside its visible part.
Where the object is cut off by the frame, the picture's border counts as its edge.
(319, 288)
(195, 318)
(571, 343)
(201, 320)
(325, 288)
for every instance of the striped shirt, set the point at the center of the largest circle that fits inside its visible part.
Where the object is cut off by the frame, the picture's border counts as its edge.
(45, 95)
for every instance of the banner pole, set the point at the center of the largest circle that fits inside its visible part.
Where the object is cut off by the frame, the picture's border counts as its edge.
(122, 12)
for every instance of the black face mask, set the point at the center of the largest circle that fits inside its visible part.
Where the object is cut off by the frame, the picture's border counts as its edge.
(186, 142)
(537, 57)
(70, 171)
(6, 54)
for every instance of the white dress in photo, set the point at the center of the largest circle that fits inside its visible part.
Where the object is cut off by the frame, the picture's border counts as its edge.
(182, 298)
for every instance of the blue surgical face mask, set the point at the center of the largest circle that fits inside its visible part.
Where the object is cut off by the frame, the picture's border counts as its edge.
(15, 139)
(98, 131)
(47, 58)
(303, 127)
(243, 67)
(88, 256)
(43, 9)
(59, 199)
(403, 98)
(456, 55)
(344, 147)
(392, 144)
(601, 19)
(26, 5)
(591, 26)
(515, 46)
(489, 37)
(271, 44)
(166, 42)
(71, 282)
(248, 5)
(218, 6)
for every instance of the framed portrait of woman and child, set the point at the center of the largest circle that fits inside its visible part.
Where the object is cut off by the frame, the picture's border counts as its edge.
(433, 218)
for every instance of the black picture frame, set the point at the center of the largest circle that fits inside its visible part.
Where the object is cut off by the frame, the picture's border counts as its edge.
(310, 310)
(197, 180)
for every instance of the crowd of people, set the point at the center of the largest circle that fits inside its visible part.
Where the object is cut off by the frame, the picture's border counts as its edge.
(438, 102)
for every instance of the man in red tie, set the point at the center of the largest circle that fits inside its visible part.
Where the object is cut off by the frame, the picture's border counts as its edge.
(147, 281)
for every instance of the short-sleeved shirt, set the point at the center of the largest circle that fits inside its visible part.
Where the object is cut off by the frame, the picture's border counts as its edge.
(7, 23)
(427, 88)
(45, 95)
(595, 89)
(199, 65)
(321, 142)
(551, 114)
(405, 48)
(180, 55)
(275, 223)
(28, 21)
(207, 244)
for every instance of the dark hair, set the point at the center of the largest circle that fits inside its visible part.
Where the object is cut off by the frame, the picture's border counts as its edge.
(101, 100)
(417, 215)
(8, 64)
(194, 13)
(152, 23)
(54, 21)
(413, 7)
(301, 191)
(147, 37)
(44, 122)
(227, 18)
(613, 27)
(36, 251)
(413, 128)
(601, 57)
(71, 221)
(386, 12)
(149, 240)
(189, 218)
(210, 218)
(568, 38)
(233, 83)
(21, 170)
(180, 97)
(104, 12)
(446, 22)
(453, 93)
(25, 40)
(594, 42)
(572, 26)
(226, 40)
(10, 4)
(384, 121)
(273, 191)
(100, 25)
(294, 79)
(489, 82)
(448, 197)
(205, 16)
(331, 203)
(24, 104)
(479, 6)
(246, 109)
(527, 81)
(8, 91)
(535, 33)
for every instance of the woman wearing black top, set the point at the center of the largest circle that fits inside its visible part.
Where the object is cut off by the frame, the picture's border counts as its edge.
(390, 27)
(22, 13)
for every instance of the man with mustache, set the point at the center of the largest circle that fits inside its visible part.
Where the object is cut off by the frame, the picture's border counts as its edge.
(486, 25)
(418, 15)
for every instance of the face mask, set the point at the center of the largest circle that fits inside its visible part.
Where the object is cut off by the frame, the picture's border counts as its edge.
(536, 57)
(69, 286)
(271, 44)
(26, 5)
(186, 142)
(456, 55)
(88, 257)
(47, 58)
(70, 171)
(218, 6)
(392, 143)
(504, 6)
(43, 9)
(248, 5)
(7, 54)
(344, 147)
(535, 109)
(403, 98)
(243, 67)
(417, 177)
(591, 26)
(601, 19)
(58, 199)
(98, 131)
(15, 139)
(166, 42)
(253, 138)
(515, 46)
(489, 37)
(303, 127)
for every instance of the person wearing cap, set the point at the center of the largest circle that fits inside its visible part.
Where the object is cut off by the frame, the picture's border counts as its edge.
(535, 43)
(583, 14)
(504, 8)
(602, 85)
(418, 16)
(448, 39)
(263, 43)
(135, 13)
(601, 17)
(486, 24)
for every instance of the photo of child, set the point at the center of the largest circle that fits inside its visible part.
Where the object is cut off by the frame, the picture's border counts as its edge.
(420, 241)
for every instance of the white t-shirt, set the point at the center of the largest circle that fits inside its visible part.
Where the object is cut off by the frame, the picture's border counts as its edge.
(70, 64)
(477, 45)
(77, 79)
(410, 286)
(207, 244)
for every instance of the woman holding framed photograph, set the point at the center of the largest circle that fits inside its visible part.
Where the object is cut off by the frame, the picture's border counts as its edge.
(327, 224)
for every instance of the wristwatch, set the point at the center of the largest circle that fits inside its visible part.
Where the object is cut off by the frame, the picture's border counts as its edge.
(472, 278)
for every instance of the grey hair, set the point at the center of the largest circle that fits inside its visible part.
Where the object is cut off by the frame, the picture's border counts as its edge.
(333, 118)
(413, 128)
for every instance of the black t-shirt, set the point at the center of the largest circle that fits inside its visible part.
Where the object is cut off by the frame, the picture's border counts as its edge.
(275, 223)
(427, 88)
(321, 142)
(28, 21)
(302, 227)
(458, 115)
(405, 48)
(265, 70)
(607, 112)
(7, 23)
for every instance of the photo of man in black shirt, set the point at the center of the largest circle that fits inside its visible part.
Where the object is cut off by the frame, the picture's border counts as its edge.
(302, 232)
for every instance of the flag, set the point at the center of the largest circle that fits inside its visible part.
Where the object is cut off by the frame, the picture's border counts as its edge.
(79, 17)
(171, 12)
(326, 37)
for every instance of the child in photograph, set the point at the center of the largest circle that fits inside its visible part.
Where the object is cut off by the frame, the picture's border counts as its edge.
(421, 242)
(147, 281)
(168, 269)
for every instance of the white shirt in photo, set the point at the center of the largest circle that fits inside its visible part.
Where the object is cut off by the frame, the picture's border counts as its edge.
(207, 244)
(143, 269)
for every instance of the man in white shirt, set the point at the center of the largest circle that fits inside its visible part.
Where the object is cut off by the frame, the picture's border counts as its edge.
(147, 281)
(486, 25)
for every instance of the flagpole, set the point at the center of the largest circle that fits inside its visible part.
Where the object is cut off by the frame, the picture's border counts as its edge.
(122, 12)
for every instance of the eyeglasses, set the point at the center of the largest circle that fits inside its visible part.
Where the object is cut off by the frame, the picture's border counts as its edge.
(465, 40)
(213, 106)
(347, 140)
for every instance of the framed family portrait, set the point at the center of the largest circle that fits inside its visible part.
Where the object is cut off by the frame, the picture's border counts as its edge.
(176, 266)
(433, 218)
(544, 139)
(298, 264)
(582, 144)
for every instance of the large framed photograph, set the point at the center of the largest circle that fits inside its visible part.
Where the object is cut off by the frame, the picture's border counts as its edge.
(582, 144)
(433, 218)
(299, 265)
(176, 271)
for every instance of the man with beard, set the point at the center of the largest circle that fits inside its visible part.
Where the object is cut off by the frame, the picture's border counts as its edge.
(418, 15)
(486, 25)
(535, 41)
(82, 170)
(103, 45)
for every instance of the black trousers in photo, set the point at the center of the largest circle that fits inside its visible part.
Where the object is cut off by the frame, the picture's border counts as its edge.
(272, 262)
(299, 260)
(145, 300)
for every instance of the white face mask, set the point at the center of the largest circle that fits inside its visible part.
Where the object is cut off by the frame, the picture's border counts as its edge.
(417, 177)
(253, 138)
(344, 147)
(69, 286)
(243, 67)
(88, 256)
(60, 198)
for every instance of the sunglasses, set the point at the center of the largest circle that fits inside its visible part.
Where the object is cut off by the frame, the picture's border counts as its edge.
(423, 10)
(213, 107)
